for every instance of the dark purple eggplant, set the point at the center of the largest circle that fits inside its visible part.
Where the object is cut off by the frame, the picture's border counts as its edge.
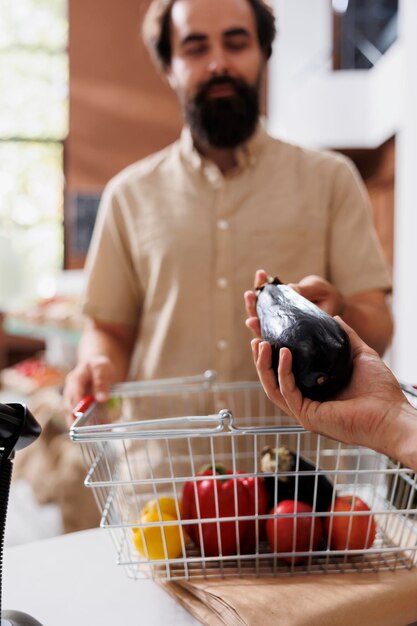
(321, 350)
(294, 477)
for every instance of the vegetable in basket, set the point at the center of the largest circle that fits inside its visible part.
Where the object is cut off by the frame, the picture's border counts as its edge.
(290, 477)
(299, 532)
(255, 486)
(353, 531)
(321, 350)
(149, 540)
(213, 499)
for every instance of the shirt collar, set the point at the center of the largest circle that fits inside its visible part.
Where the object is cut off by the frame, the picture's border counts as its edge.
(247, 153)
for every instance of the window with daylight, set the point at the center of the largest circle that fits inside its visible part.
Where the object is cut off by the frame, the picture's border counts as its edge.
(363, 31)
(33, 127)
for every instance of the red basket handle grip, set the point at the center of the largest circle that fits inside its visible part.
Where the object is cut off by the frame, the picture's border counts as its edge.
(82, 406)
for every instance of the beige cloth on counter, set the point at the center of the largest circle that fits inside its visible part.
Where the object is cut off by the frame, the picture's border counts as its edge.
(365, 599)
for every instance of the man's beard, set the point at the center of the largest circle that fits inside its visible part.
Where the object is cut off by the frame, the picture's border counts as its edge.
(224, 122)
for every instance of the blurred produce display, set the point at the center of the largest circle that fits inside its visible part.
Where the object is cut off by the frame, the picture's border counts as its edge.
(30, 375)
(58, 311)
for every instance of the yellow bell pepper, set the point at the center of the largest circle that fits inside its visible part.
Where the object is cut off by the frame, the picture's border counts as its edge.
(160, 510)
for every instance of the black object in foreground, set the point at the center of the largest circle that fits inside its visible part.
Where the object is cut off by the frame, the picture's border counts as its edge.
(295, 478)
(18, 429)
(321, 350)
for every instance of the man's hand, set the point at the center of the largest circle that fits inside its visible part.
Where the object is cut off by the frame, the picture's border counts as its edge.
(322, 293)
(364, 413)
(104, 356)
(91, 377)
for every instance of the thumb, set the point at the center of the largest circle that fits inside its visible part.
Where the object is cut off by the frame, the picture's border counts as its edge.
(358, 345)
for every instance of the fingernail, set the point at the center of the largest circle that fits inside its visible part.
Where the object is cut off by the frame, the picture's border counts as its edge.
(101, 396)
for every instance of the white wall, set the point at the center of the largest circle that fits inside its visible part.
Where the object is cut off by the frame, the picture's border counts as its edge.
(302, 51)
(404, 353)
(311, 104)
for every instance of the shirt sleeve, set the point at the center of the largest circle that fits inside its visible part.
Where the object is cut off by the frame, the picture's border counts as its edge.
(356, 261)
(113, 293)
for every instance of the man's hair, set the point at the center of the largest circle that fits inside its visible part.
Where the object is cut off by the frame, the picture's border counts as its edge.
(157, 36)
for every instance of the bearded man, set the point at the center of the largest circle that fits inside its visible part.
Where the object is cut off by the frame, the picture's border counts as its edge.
(180, 234)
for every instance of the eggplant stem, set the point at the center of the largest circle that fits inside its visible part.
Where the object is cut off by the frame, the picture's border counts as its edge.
(271, 280)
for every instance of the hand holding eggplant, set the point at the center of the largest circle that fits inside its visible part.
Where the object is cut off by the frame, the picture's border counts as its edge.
(371, 411)
(321, 350)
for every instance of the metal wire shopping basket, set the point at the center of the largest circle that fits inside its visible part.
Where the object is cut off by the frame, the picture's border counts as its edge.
(146, 446)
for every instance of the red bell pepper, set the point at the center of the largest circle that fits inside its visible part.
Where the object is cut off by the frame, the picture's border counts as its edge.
(259, 506)
(199, 502)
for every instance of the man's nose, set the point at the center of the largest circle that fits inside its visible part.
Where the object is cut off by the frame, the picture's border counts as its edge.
(218, 63)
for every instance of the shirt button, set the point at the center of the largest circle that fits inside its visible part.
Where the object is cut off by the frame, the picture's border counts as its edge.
(222, 225)
(222, 344)
(222, 283)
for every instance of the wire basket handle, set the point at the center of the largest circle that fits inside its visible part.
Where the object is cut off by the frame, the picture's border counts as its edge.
(171, 428)
(168, 427)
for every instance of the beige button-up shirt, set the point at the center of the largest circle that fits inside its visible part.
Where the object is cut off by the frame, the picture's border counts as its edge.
(176, 244)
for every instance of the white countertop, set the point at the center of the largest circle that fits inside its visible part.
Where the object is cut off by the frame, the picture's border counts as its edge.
(73, 580)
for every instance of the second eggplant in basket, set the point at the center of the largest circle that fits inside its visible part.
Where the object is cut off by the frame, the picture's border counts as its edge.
(291, 479)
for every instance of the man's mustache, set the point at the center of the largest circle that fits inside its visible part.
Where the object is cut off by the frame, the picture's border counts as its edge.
(204, 88)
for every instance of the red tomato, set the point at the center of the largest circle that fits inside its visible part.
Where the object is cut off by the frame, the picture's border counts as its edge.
(280, 531)
(350, 532)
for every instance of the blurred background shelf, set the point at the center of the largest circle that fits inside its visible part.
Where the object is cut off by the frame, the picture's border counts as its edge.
(41, 332)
